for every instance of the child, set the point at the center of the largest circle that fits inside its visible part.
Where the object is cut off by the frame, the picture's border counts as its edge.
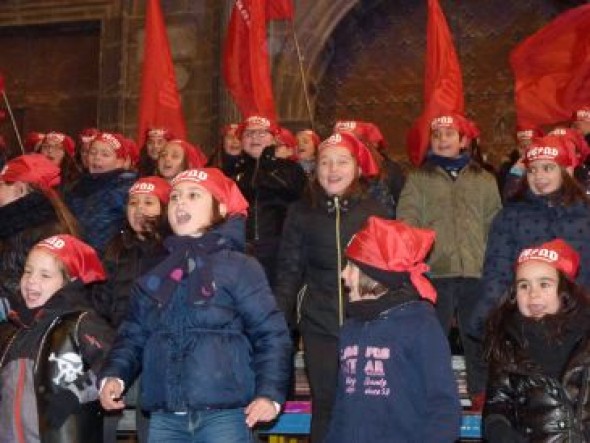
(177, 156)
(136, 249)
(458, 199)
(86, 137)
(549, 204)
(30, 210)
(156, 139)
(51, 349)
(538, 345)
(132, 253)
(228, 155)
(269, 184)
(60, 149)
(98, 199)
(307, 145)
(203, 325)
(309, 285)
(396, 383)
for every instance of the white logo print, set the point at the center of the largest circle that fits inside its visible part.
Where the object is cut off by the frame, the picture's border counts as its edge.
(69, 366)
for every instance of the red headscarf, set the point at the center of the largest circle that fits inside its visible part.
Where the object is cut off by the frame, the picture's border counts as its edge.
(221, 187)
(359, 151)
(79, 259)
(393, 246)
(556, 253)
(152, 185)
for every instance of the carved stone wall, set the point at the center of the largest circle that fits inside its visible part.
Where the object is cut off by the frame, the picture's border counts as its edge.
(361, 59)
(365, 60)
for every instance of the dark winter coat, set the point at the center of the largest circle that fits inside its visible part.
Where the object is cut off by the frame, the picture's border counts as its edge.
(62, 349)
(199, 354)
(111, 298)
(23, 223)
(309, 288)
(98, 201)
(269, 184)
(395, 382)
(522, 224)
(527, 402)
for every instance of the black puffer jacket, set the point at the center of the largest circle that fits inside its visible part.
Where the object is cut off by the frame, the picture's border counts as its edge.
(23, 223)
(134, 258)
(525, 403)
(310, 259)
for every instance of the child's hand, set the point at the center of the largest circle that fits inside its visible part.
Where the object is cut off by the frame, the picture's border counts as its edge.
(110, 394)
(261, 409)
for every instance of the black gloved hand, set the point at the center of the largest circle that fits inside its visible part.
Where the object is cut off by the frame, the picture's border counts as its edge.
(60, 406)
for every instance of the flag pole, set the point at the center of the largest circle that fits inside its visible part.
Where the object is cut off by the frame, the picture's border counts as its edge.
(9, 109)
(302, 72)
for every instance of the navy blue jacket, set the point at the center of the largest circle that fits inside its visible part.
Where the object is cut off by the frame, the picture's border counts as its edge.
(98, 201)
(525, 223)
(217, 354)
(395, 381)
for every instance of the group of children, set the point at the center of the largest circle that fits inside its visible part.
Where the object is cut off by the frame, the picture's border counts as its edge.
(205, 273)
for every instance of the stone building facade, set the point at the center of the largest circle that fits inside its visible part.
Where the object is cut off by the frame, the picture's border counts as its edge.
(69, 64)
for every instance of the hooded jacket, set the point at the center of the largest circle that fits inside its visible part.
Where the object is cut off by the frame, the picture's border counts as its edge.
(61, 349)
(215, 354)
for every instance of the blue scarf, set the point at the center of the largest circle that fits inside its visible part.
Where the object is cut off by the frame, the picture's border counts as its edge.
(451, 165)
(189, 259)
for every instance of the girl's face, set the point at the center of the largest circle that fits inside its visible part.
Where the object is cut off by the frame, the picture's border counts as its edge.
(154, 145)
(305, 146)
(43, 276)
(231, 144)
(102, 158)
(171, 161)
(10, 192)
(537, 289)
(544, 177)
(53, 151)
(190, 210)
(446, 142)
(336, 170)
(141, 207)
(351, 276)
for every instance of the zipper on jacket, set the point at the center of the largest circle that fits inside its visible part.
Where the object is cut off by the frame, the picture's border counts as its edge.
(42, 342)
(339, 258)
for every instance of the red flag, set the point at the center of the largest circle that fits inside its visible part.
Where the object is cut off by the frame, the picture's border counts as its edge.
(552, 70)
(443, 85)
(160, 102)
(246, 69)
(280, 10)
(1, 83)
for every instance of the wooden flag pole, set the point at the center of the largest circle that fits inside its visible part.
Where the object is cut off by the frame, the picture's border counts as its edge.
(20, 142)
(302, 72)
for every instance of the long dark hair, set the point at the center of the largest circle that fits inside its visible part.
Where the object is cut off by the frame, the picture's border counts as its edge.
(570, 192)
(574, 301)
(156, 229)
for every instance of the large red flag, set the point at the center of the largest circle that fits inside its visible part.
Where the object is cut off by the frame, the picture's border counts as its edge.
(552, 70)
(280, 10)
(443, 85)
(159, 105)
(246, 68)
